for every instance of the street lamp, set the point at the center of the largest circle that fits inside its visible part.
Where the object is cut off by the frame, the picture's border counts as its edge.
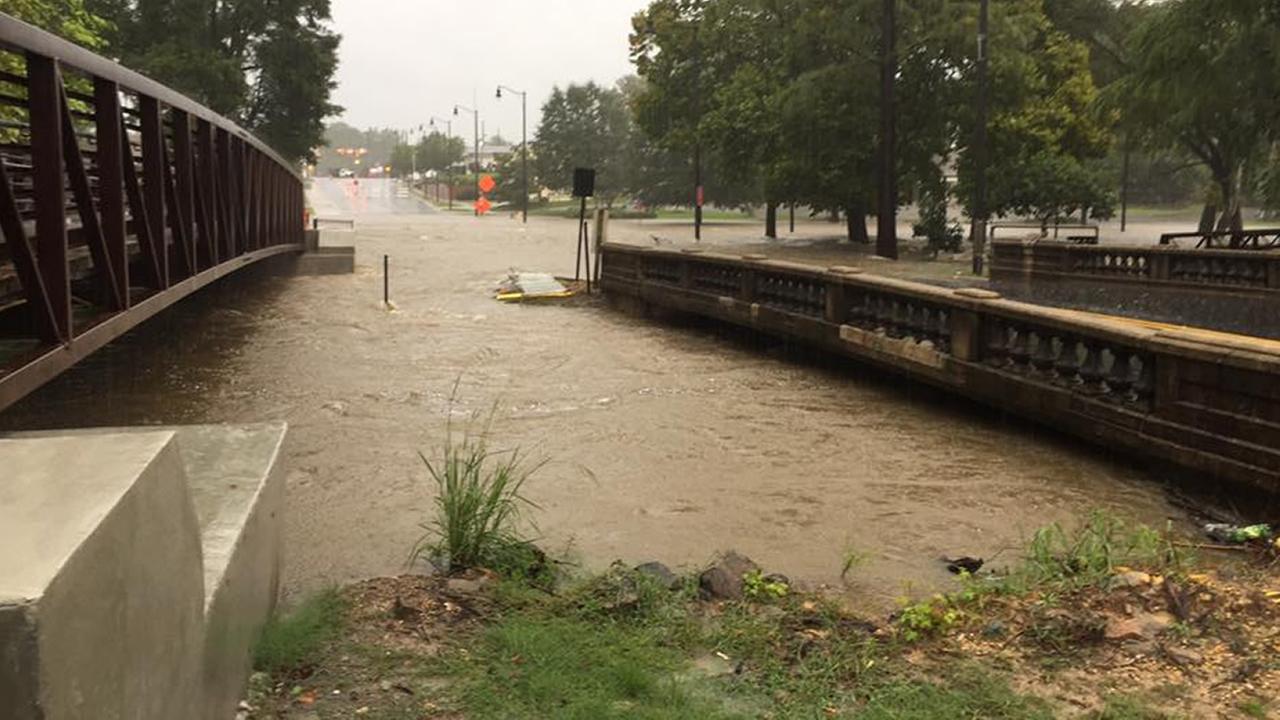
(524, 147)
(475, 116)
(448, 134)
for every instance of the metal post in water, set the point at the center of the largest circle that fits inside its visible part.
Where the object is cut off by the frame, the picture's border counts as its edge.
(386, 281)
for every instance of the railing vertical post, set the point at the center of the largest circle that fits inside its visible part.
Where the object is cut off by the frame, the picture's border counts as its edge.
(45, 102)
(184, 169)
(835, 309)
(111, 159)
(153, 182)
(226, 192)
(207, 202)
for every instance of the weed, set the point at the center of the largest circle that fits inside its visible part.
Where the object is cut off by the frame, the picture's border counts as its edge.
(755, 586)
(853, 559)
(292, 642)
(479, 500)
(1092, 553)
(926, 619)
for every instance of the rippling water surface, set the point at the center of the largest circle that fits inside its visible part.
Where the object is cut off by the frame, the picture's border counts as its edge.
(665, 441)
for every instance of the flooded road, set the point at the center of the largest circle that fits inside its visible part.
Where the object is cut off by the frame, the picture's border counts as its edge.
(664, 442)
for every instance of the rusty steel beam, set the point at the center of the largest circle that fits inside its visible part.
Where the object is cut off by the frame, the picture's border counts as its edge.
(153, 183)
(45, 105)
(184, 189)
(109, 289)
(111, 195)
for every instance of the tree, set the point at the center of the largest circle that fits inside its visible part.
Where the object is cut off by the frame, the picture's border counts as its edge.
(70, 19)
(1045, 130)
(438, 152)
(584, 126)
(269, 65)
(1204, 76)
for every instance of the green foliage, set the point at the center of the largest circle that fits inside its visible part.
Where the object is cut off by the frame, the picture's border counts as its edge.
(1197, 81)
(1091, 553)
(268, 65)
(585, 126)
(758, 587)
(479, 502)
(71, 19)
(923, 620)
(291, 642)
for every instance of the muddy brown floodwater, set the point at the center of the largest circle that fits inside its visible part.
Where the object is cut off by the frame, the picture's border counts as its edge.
(664, 442)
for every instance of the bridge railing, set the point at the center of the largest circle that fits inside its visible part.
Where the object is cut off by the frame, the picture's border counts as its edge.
(118, 196)
(1156, 265)
(1203, 401)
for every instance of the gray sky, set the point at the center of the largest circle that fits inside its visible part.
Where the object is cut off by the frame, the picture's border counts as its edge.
(405, 60)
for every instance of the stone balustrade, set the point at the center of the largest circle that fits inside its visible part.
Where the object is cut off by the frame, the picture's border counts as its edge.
(1205, 402)
(1231, 290)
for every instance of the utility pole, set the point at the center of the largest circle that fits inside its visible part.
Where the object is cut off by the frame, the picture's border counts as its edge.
(475, 116)
(698, 195)
(524, 147)
(887, 215)
(978, 233)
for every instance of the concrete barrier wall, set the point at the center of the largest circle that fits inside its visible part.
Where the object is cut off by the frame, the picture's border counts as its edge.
(139, 568)
(1207, 402)
(1234, 291)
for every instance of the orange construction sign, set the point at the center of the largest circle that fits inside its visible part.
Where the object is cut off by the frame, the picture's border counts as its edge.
(487, 184)
(483, 205)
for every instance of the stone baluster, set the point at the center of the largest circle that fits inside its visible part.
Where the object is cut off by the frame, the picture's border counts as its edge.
(1042, 356)
(1091, 375)
(1066, 364)
(1120, 379)
(1020, 348)
(997, 342)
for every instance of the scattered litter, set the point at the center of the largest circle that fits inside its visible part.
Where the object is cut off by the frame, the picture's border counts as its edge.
(1223, 532)
(519, 287)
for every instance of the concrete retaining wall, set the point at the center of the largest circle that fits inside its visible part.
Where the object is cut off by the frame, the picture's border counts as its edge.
(139, 568)
(1204, 401)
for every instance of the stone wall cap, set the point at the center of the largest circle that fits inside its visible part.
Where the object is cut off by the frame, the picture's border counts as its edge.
(692, 251)
(755, 256)
(978, 294)
(845, 270)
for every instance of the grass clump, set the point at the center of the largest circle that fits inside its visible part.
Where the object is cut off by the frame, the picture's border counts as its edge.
(479, 503)
(292, 642)
(528, 666)
(968, 692)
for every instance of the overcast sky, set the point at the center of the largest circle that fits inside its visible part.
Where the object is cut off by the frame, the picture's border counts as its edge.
(403, 61)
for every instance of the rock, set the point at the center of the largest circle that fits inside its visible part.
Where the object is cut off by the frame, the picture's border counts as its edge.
(659, 572)
(994, 630)
(1143, 626)
(1133, 578)
(1183, 657)
(723, 581)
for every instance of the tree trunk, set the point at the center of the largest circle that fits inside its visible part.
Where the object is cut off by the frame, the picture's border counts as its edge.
(856, 221)
(771, 221)
(1207, 216)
